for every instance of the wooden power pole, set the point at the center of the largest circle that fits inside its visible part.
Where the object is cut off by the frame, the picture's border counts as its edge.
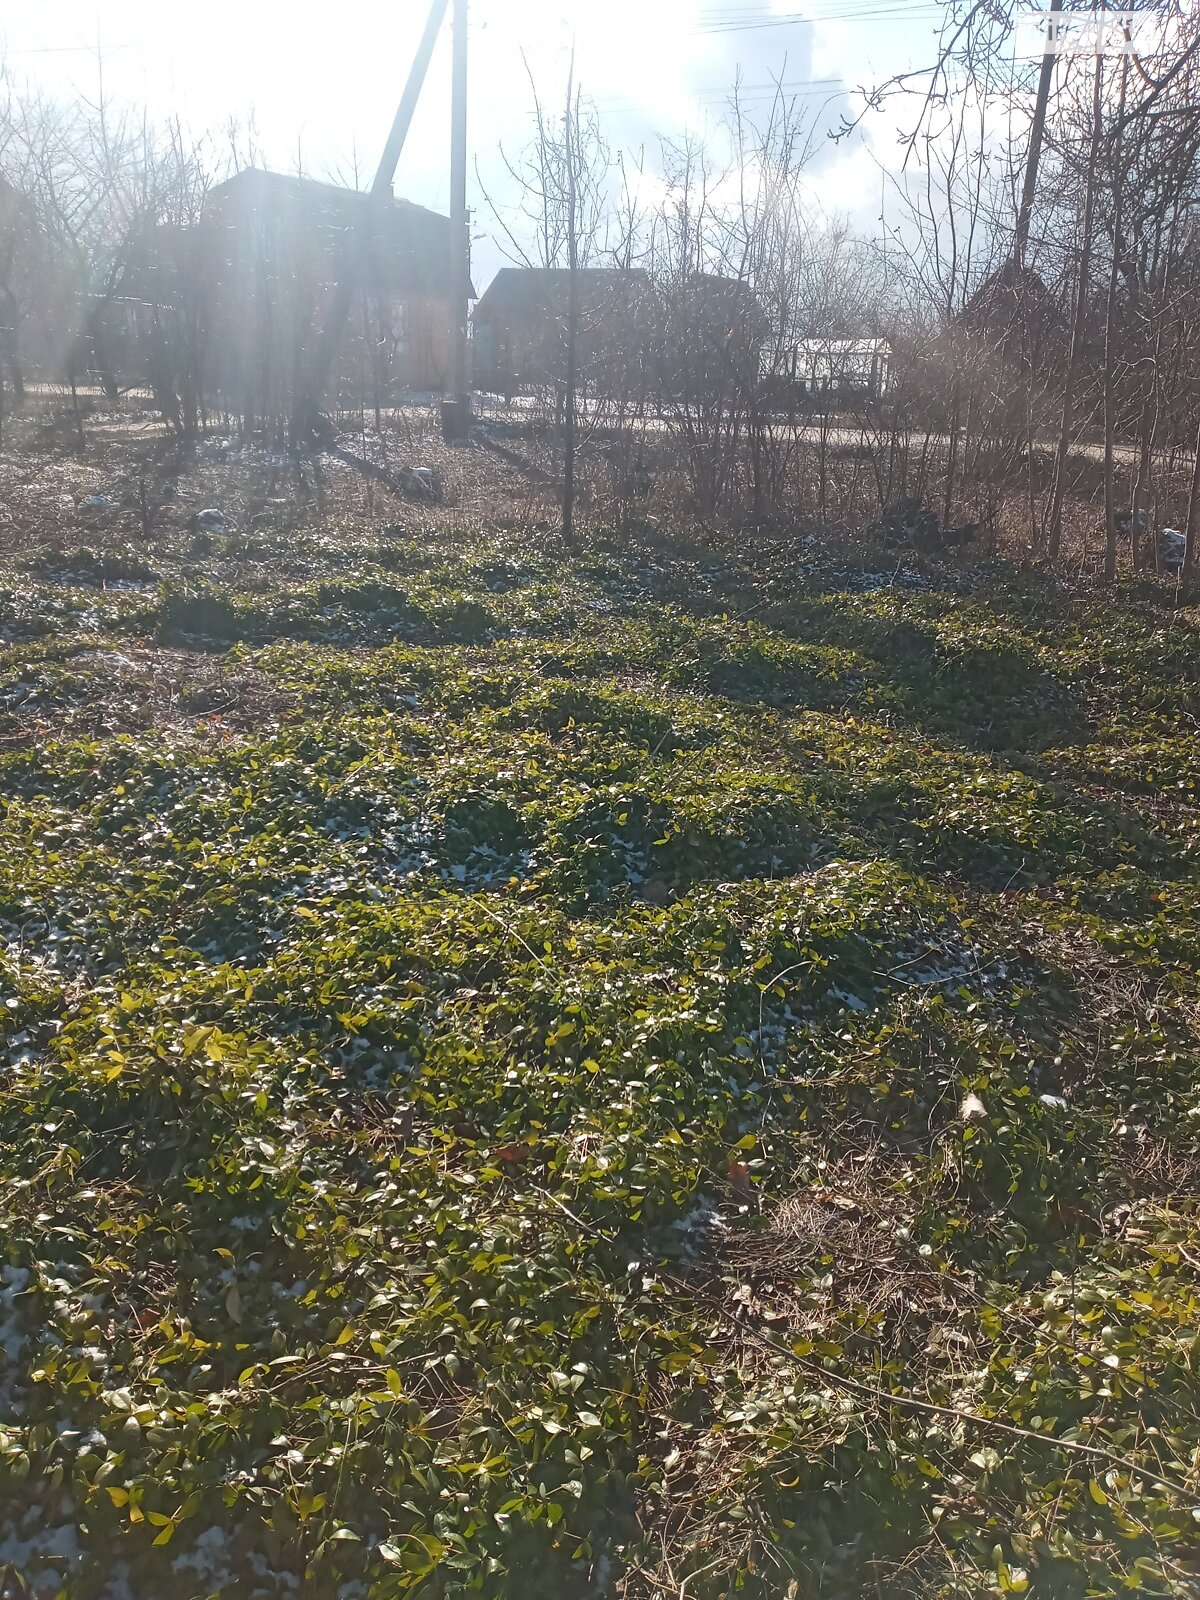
(456, 405)
(382, 186)
(1034, 154)
(381, 192)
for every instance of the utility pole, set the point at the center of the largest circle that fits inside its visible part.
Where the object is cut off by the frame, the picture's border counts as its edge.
(381, 188)
(380, 194)
(456, 405)
(1034, 153)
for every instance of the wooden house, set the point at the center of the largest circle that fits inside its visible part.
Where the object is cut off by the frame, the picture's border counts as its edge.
(520, 329)
(636, 337)
(269, 250)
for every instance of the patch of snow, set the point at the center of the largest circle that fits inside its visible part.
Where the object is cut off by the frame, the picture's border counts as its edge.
(693, 1229)
(13, 1281)
(852, 1002)
(119, 1586)
(27, 1553)
(208, 1558)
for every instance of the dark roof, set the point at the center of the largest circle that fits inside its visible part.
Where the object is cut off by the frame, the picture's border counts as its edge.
(536, 291)
(728, 303)
(284, 188)
(1006, 294)
(719, 283)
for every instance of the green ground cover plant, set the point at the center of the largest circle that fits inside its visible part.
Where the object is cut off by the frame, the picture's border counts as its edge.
(584, 1077)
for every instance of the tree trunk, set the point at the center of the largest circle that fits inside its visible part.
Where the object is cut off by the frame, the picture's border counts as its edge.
(1110, 497)
(568, 501)
(1054, 530)
(1193, 523)
(951, 457)
(102, 357)
(1141, 487)
(76, 413)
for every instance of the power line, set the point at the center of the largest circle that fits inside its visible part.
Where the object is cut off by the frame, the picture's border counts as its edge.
(873, 11)
(811, 85)
(65, 50)
(822, 11)
(756, 104)
(864, 17)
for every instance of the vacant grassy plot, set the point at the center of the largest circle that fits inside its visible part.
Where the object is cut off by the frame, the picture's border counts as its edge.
(482, 1093)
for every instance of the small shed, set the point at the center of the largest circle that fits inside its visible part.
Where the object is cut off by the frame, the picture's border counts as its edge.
(843, 369)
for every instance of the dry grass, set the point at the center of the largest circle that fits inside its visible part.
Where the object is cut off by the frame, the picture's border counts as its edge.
(132, 481)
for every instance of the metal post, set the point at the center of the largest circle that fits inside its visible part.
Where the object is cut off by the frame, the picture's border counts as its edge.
(456, 406)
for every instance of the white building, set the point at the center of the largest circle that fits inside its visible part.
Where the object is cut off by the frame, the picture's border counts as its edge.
(845, 368)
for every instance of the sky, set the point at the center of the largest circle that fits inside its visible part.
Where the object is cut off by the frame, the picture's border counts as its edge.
(318, 82)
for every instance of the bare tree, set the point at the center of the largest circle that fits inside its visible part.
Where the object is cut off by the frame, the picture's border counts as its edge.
(98, 184)
(560, 227)
(1110, 419)
(1053, 531)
